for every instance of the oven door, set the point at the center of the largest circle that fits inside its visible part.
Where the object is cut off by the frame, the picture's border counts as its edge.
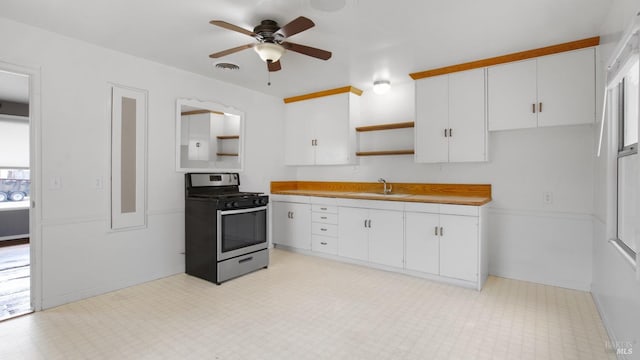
(241, 231)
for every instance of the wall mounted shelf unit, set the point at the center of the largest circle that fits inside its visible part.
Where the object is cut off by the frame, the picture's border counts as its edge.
(383, 127)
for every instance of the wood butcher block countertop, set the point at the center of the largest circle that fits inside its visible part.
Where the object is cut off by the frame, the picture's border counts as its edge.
(456, 194)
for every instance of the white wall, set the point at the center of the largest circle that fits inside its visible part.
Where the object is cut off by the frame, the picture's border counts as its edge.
(14, 142)
(615, 288)
(81, 257)
(529, 240)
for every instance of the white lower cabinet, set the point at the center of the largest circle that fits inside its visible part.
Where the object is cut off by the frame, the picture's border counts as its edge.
(291, 224)
(371, 235)
(386, 231)
(445, 245)
(324, 229)
(353, 235)
(459, 247)
(422, 242)
(438, 241)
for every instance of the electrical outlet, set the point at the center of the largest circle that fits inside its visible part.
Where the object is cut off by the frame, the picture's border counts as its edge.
(547, 197)
(97, 183)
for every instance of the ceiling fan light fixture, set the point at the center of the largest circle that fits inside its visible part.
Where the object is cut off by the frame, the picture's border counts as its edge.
(269, 52)
(381, 86)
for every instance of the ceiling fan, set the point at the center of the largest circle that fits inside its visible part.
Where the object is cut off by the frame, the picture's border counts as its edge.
(271, 41)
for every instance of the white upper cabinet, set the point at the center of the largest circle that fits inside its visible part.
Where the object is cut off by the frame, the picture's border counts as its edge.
(566, 88)
(321, 130)
(550, 90)
(450, 118)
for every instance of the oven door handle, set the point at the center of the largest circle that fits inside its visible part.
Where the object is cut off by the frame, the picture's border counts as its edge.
(242, 211)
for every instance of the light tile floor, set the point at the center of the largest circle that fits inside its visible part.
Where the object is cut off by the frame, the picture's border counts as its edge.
(311, 308)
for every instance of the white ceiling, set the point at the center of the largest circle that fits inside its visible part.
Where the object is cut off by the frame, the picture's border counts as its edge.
(370, 39)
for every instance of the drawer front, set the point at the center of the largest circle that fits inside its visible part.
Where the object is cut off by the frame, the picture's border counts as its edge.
(324, 208)
(324, 218)
(324, 229)
(324, 244)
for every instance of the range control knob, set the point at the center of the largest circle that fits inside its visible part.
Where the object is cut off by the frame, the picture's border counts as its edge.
(229, 204)
(235, 204)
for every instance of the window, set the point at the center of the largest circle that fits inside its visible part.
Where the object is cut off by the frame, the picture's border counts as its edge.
(628, 99)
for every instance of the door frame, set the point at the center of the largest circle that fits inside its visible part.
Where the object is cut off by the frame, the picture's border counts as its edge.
(35, 167)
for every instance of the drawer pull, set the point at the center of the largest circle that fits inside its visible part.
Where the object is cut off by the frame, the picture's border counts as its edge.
(245, 259)
(323, 243)
(323, 217)
(323, 229)
(323, 208)
(436, 228)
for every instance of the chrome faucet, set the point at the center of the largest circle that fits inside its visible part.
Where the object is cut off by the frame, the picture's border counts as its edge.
(385, 190)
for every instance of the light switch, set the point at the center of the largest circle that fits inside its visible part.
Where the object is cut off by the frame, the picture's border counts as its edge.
(547, 197)
(55, 183)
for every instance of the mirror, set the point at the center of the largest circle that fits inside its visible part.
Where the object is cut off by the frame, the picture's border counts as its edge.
(209, 137)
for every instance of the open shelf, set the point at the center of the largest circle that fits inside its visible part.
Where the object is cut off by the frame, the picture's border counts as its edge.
(386, 152)
(227, 137)
(402, 125)
(226, 154)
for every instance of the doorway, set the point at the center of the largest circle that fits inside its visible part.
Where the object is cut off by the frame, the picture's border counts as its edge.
(15, 194)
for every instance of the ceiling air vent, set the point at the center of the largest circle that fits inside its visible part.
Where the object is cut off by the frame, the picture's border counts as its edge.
(227, 66)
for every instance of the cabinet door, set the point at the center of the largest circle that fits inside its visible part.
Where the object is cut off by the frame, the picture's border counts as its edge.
(331, 129)
(352, 233)
(422, 242)
(467, 116)
(566, 88)
(432, 118)
(292, 224)
(386, 237)
(459, 247)
(298, 135)
(511, 95)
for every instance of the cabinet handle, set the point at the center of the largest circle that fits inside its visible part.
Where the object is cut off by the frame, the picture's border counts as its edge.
(445, 132)
(292, 214)
(323, 208)
(323, 217)
(533, 108)
(369, 223)
(450, 132)
(539, 107)
(436, 232)
(316, 142)
(323, 243)
(365, 223)
(323, 229)
(441, 232)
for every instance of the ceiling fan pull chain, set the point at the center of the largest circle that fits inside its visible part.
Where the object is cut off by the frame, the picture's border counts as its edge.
(268, 78)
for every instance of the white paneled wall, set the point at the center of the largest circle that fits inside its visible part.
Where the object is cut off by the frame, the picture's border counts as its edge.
(615, 288)
(80, 256)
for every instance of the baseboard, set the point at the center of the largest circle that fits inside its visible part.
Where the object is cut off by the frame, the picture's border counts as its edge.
(612, 336)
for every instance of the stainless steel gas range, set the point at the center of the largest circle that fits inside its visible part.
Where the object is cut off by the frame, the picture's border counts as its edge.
(225, 229)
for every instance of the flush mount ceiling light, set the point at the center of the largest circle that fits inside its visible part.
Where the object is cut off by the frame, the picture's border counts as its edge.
(381, 86)
(269, 52)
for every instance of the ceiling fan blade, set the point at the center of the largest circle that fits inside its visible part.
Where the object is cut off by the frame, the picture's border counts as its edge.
(308, 50)
(274, 66)
(231, 51)
(226, 25)
(297, 25)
